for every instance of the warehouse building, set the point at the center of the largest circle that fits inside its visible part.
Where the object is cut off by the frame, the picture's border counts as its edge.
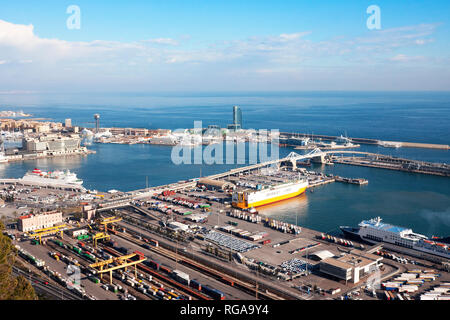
(39, 221)
(211, 184)
(351, 266)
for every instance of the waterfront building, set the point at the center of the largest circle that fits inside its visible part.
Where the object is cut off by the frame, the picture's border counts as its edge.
(39, 221)
(52, 144)
(351, 266)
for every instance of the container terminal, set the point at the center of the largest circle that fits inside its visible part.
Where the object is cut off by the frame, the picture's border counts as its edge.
(190, 240)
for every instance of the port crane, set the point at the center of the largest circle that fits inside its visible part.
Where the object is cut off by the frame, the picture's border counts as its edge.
(46, 231)
(99, 236)
(109, 220)
(121, 262)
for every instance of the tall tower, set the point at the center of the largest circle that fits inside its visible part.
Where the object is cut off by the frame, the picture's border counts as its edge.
(237, 117)
(2, 145)
(97, 122)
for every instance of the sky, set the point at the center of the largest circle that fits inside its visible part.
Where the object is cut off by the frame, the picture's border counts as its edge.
(211, 45)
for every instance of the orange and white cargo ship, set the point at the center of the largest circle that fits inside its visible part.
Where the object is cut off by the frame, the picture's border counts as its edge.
(269, 194)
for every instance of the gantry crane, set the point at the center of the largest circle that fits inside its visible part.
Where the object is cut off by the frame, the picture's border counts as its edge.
(46, 231)
(109, 220)
(117, 263)
(99, 236)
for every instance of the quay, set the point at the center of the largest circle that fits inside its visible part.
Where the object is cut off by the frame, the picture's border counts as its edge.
(372, 141)
(54, 186)
(399, 164)
(330, 147)
(23, 157)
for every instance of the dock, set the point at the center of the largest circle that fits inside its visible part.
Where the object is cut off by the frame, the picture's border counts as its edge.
(372, 141)
(329, 147)
(399, 164)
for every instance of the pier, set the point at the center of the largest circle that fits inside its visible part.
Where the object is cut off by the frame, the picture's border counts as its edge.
(371, 141)
(399, 164)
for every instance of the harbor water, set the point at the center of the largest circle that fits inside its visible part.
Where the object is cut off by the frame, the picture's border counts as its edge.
(421, 202)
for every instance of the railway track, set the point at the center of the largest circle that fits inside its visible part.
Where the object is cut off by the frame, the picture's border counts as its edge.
(225, 278)
(165, 280)
(53, 290)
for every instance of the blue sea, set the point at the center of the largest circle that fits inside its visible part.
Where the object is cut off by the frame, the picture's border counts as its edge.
(420, 202)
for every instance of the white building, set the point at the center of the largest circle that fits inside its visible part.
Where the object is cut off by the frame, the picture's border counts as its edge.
(39, 221)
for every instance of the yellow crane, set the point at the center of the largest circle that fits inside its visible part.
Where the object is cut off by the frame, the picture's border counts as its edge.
(117, 263)
(109, 220)
(99, 236)
(46, 231)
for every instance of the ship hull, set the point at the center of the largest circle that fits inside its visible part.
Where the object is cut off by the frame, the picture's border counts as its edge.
(291, 192)
(351, 233)
(277, 199)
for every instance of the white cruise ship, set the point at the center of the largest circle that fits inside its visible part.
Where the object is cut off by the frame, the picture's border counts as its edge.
(54, 177)
(375, 231)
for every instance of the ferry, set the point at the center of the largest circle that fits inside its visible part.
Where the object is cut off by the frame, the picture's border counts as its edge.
(375, 231)
(269, 194)
(54, 177)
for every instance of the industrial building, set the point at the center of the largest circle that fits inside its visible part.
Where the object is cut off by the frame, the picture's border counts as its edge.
(78, 232)
(39, 221)
(211, 184)
(350, 266)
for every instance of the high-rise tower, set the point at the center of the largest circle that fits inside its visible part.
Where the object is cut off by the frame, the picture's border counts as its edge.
(97, 122)
(237, 117)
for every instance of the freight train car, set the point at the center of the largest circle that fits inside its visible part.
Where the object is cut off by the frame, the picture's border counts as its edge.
(214, 293)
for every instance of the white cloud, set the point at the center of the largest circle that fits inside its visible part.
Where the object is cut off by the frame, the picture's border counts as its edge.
(406, 58)
(293, 36)
(162, 60)
(163, 41)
